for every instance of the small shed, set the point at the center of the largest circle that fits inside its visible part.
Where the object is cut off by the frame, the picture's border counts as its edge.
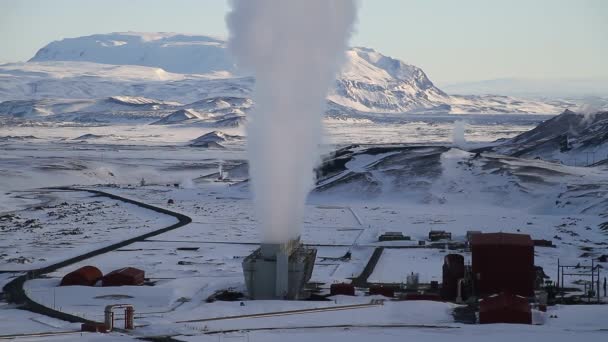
(84, 276)
(127, 276)
(394, 236)
(505, 308)
(437, 235)
(503, 262)
(342, 289)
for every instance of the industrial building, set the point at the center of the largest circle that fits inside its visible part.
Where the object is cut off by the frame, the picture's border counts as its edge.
(279, 271)
(84, 276)
(503, 262)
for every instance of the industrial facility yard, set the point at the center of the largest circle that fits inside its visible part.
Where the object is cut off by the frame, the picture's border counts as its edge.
(186, 266)
(291, 183)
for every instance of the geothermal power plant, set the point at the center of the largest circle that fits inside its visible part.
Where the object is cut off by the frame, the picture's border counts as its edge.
(279, 270)
(285, 129)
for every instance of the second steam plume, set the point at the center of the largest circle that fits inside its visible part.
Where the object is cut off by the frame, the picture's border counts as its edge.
(294, 48)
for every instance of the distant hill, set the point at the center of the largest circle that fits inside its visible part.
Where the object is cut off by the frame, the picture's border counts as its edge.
(571, 138)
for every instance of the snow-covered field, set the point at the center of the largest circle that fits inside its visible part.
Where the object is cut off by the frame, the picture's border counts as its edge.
(465, 194)
(61, 224)
(54, 155)
(73, 223)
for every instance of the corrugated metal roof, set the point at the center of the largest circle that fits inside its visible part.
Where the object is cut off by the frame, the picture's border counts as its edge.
(124, 276)
(84, 276)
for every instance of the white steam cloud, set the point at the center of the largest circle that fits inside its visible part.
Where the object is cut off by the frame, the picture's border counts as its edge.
(458, 134)
(295, 49)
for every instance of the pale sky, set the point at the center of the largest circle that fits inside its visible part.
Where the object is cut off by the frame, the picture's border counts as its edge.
(451, 40)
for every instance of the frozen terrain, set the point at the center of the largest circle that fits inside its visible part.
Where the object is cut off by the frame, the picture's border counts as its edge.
(570, 138)
(160, 119)
(385, 183)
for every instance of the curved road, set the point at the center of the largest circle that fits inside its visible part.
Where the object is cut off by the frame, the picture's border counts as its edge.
(15, 293)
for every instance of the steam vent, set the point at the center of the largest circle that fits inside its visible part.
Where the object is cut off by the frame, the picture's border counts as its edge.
(279, 271)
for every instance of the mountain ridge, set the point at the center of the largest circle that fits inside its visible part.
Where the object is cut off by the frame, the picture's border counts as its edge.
(183, 64)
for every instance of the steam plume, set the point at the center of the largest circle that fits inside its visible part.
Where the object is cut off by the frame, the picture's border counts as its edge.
(294, 48)
(458, 134)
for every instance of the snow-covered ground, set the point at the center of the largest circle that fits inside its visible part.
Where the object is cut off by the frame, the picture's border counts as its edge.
(53, 155)
(75, 223)
(224, 232)
(465, 194)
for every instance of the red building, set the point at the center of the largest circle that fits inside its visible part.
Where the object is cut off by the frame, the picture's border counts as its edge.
(124, 277)
(84, 276)
(505, 308)
(503, 262)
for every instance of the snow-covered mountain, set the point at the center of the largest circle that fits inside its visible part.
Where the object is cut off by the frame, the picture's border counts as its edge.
(177, 53)
(371, 81)
(189, 68)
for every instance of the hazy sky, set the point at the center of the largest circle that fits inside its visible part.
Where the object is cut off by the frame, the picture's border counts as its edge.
(452, 40)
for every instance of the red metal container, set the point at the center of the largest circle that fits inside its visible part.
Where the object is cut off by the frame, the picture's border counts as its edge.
(453, 271)
(505, 308)
(84, 276)
(503, 262)
(128, 276)
(342, 289)
(382, 290)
